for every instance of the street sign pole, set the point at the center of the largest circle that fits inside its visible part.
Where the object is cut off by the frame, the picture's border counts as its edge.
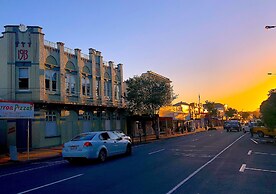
(28, 139)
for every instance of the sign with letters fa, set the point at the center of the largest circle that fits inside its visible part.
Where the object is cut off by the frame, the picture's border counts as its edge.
(16, 110)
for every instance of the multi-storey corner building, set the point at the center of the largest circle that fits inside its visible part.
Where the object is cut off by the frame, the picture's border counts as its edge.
(72, 92)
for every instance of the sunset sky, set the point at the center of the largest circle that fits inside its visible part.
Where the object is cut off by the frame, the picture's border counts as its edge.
(216, 48)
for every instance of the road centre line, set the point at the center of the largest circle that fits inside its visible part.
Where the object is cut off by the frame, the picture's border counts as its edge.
(254, 141)
(62, 180)
(203, 166)
(249, 152)
(156, 151)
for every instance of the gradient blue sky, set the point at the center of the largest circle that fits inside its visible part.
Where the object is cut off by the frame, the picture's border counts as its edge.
(216, 48)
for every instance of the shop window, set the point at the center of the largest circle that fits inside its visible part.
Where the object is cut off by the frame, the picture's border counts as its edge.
(51, 124)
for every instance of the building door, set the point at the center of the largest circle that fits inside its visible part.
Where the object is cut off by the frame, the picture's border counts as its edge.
(22, 134)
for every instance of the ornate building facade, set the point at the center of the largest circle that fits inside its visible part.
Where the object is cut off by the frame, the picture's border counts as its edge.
(72, 92)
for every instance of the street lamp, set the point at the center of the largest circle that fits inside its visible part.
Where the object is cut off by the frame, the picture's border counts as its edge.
(270, 73)
(269, 27)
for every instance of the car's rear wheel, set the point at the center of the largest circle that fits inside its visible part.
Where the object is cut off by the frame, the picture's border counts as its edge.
(102, 155)
(260, 134)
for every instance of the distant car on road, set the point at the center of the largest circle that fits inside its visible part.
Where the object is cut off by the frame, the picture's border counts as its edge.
(245, 127)
(95, 145)
(232, 125)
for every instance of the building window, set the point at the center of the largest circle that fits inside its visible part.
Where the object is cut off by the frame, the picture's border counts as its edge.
(105, 88)
(70, 84)
(51, 80)
(86, 116)
(51, 116)
(98, 87)
(117, 91)
(85, 82)
(23, 79)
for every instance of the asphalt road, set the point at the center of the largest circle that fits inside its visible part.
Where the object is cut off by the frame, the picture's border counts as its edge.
(208, 162)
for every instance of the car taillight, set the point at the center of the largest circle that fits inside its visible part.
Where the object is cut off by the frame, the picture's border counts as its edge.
(87, 144)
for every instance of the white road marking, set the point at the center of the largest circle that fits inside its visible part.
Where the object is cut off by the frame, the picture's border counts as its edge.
(137, 146)
(192, 146)
(262, 153)
(242, 168)
(156, 151)
(199, 169)
(31, 169)
(249, 152)
(254, 141)
(62, 180)
(263, 170)
(195, 155)
(51, 163)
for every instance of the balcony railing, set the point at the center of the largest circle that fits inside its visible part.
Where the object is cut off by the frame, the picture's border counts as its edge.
(50, 44)
(69, 51)
(85, 56)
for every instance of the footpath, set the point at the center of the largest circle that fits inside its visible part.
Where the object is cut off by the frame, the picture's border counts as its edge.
(55, 152)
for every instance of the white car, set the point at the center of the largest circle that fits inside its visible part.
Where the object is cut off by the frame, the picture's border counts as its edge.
(245, 127)
(95, 145)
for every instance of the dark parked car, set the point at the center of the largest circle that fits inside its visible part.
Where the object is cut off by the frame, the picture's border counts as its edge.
(232, 125)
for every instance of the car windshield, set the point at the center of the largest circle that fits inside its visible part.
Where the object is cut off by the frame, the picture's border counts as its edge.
(84, 136)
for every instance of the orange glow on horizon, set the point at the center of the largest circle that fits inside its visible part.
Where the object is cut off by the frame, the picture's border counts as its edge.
(251, 98)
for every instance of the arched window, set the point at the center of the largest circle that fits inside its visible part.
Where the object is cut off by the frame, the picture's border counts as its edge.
(51, 74)
(107, 86)
(86, 82)
(117, 88)
(98, 87)
(70, 78)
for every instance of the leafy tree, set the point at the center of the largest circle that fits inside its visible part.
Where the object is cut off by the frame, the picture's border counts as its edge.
(230, 112)
(212, 112)
(146, 95)
(245, 115)
(268, 111)
(210, 106)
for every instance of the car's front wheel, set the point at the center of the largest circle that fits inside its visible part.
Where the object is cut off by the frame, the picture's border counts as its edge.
(102, 155)
(260, 134)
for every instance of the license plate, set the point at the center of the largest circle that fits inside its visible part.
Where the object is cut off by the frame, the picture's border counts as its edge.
(73, 147)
